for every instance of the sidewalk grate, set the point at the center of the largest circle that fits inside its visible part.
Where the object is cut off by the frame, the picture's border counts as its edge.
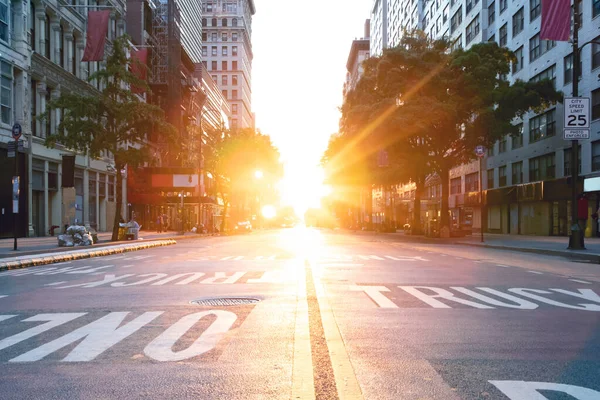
(225, 301)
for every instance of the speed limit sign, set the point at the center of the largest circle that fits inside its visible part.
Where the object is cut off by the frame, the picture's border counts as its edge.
(577, 113)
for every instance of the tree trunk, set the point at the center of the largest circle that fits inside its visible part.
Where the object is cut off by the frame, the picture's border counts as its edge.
(223, 220)
(445, 214)
(416, 227)
(119, 200)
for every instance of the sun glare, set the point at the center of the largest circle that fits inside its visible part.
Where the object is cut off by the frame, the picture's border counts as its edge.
(303, 188)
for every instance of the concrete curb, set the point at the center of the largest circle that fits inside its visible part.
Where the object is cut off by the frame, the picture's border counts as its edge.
(563, 253)
(43, 259)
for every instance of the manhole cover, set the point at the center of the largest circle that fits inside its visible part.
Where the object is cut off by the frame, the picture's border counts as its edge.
(225, 301)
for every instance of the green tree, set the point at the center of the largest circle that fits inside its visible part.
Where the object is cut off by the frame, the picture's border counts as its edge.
(114, 121)
(438, 105)
(234, 161)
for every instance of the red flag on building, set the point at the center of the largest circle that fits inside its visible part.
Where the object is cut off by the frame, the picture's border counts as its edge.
(97, 29)
(556, 20)
(139, 60)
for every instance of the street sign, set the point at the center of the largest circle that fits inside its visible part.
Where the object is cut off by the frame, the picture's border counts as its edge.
(577, 113)
(576, 134)
(480, 151)
(15, 194)
(16, 131)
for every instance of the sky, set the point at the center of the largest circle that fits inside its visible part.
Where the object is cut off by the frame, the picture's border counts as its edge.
(298, 72)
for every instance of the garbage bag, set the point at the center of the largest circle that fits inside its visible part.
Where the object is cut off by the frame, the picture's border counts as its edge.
(76, 229)
(63, 239)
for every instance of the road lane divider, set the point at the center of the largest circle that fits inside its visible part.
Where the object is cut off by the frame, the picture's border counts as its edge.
(328, 348)
(303, 384)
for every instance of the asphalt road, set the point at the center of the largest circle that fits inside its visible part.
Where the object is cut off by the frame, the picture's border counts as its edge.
(310, 314)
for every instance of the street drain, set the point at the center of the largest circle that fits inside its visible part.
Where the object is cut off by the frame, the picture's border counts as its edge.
(225, 301)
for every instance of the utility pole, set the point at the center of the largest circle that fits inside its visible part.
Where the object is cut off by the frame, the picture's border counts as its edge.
(576, 241)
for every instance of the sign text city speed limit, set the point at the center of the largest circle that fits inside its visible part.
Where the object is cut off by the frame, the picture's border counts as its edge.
(577, 113)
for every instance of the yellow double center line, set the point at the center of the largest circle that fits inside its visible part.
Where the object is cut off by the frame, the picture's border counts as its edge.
(322, 368)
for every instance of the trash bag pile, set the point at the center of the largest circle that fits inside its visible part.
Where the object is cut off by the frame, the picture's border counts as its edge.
(76, 235)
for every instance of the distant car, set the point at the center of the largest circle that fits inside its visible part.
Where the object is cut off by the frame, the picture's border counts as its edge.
(243, 227)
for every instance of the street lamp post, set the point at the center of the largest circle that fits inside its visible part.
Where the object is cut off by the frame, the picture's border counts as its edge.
(182, 196)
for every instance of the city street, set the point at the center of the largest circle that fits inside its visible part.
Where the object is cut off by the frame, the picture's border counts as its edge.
(303, 313)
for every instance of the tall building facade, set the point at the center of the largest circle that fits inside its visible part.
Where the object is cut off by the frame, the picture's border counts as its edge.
(227, 54)
(41, 46)
(525, 178)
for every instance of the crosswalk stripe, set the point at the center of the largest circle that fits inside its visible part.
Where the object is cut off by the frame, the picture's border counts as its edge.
(392, 258)
(226, 258)
(3, 295)
(272, 257)
(238, 258)
(535, 272)
(363, 257)
(580, 281)
(376, 258)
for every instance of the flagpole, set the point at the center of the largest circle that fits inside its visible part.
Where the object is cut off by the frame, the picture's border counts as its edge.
(576, 241)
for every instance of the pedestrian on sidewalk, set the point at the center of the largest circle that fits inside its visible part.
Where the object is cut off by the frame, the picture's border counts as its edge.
(159, 224)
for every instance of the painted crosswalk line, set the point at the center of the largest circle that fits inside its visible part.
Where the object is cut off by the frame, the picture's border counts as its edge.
(3, 295)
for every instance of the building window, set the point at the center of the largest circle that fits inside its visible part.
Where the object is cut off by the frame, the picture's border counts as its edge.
(535, 9)
(502, 145)
(224, 51)
(235, 65)
(33, 121)
(234, 123)
(213, 50)
(209, 7)
(542, 126)
(542, 167)
(502, 176)
(472, 182)
(595, 8)
(224, 92)
(456, 20)
(518, 22)
(456, 185)
(503, 35)
(4, 20)
(234, 36)
(517, 173)
(446, 13)
(204, 37)
(213, 65)
(595, 104)
(224, 22)
(224, 80)
(491, 12)
(517, 141)
(472, 29)
(205, 63)
(214, 78)
(234, 94)
(492, 38)
(230, 7)
(518, 64)
(538, 47)
(490, 178)
(224, 65)
(204, 51)
(596, 155)
(596, 54)
(234, 79)
(234, 109)
(503, 5)
(6, 95)
(204, 22)
(224, 37)
(234, 22)
(568, 69)
(214, 22)
(234, 50)
(457, 44)
(567, 161)
(213, 36)
(548, 73)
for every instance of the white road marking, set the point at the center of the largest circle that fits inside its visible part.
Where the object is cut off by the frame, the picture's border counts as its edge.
(194, 276)
(376, 258)
(114, 258)
(62, 263)
(153, 277)
(374, 292)
(258, 258)
(164, 257)
(536, 272)
(226, 258)
(503, 266)
(5, 317)
(55, 283)
(97, 337)
(340, 264)
(441, 294)
(161, 348)
(127, 266)
(580, 281)
(272, 258)
(3, 295)
(52, 321)
(531, 293)
(363, 257)
(226, 279)
(238, 258)
(522, 390)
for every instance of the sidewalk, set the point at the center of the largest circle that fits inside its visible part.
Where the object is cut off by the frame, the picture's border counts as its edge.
(551, 245)
(36, 245)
